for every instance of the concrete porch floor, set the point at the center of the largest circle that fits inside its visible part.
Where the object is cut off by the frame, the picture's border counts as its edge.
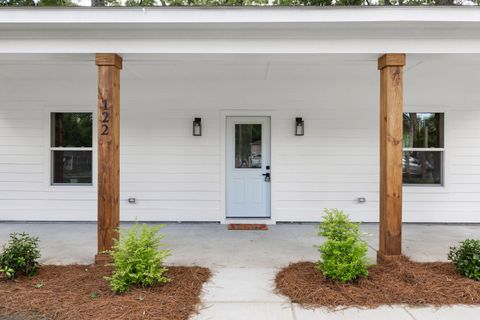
(245, 263)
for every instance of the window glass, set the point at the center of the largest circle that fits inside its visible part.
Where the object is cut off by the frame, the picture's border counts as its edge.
(71, 147)
(71, 129)
(422, 167)
(422, 130)
(72, 167)
(423, 147)
(248, 146)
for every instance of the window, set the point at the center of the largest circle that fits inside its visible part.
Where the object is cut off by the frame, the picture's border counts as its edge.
(248, 146)
(71, 148)
(423, 148)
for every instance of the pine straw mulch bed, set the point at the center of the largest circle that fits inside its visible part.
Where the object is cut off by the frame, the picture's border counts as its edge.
(80, 292)
(401, 282)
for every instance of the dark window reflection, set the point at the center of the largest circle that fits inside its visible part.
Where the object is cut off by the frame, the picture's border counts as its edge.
(422, 167)
(422, 130)
(72, 167)
(248, 146)
(71, 129)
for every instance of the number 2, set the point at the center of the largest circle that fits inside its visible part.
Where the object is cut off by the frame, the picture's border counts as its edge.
(106, 116)
(105, 130)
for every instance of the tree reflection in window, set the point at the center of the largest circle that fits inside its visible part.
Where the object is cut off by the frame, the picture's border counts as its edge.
(423, 147)
(248, 146)
(71, 147)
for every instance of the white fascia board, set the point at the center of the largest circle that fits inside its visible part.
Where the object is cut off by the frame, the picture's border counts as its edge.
(273, 30)
(235, 46)
(161, 15)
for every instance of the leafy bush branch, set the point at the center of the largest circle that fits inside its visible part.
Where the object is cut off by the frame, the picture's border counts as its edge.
(20, 255)
(466, 258)
(138, 259)
(343, 254)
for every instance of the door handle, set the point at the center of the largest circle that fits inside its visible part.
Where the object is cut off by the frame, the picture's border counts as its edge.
(267, 176)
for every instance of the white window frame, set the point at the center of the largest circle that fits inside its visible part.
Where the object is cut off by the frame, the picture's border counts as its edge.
(50, 186)
(442, 156)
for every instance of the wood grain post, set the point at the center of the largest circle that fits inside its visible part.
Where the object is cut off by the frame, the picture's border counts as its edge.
(391, 144)
(109, 66)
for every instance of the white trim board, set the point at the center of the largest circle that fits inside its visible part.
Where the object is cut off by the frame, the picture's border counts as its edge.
(89, 15)
(241, 30)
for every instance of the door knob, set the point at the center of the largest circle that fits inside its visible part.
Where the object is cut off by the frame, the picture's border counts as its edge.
(267, 176)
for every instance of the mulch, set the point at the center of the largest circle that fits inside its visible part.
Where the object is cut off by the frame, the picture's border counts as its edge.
(80, 292)
(399, 282)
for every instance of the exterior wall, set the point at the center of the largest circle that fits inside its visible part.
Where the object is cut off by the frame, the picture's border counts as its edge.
(178, 177)
(25, 190)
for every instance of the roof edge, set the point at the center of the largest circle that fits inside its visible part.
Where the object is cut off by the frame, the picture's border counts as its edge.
(246, 14)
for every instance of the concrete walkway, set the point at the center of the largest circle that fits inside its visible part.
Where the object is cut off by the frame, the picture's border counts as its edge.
(245, 263)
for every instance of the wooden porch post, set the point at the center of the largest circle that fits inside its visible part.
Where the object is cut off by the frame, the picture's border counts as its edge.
(391, 144)
(109, 66)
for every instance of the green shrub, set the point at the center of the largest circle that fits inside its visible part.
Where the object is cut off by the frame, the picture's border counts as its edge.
(20, 256)
(137, 259)
(343, 254)
(467, 258)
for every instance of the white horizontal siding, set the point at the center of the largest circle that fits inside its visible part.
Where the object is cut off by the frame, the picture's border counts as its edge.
(25, 191)
(177, 177)
(173, 175)
(459, 199)
(334, 164)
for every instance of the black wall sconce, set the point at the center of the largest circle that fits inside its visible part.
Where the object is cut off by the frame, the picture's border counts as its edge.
(197, 127)
(299, 127)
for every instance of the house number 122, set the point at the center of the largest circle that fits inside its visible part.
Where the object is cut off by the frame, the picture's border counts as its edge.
(105, 119)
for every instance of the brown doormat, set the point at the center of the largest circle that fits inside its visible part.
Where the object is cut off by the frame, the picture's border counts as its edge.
(247, 226)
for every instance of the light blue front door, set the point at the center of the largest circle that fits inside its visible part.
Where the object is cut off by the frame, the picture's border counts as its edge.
(248, 167)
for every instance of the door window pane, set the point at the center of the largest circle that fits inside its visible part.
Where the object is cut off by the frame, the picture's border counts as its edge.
(422, 167)
(72, 167)
(71, 129)
(248, 146)
(422, 130)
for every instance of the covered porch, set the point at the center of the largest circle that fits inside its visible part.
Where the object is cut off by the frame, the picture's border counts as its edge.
(350, 81)
(175, 176)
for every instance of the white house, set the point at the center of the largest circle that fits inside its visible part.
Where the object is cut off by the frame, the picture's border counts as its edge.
(246, 77)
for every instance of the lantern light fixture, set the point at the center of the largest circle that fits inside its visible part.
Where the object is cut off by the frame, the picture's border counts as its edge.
(197, 127)
(299, 127)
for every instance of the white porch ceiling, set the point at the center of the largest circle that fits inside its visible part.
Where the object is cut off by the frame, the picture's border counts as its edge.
(217, 67)
(153, 76)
